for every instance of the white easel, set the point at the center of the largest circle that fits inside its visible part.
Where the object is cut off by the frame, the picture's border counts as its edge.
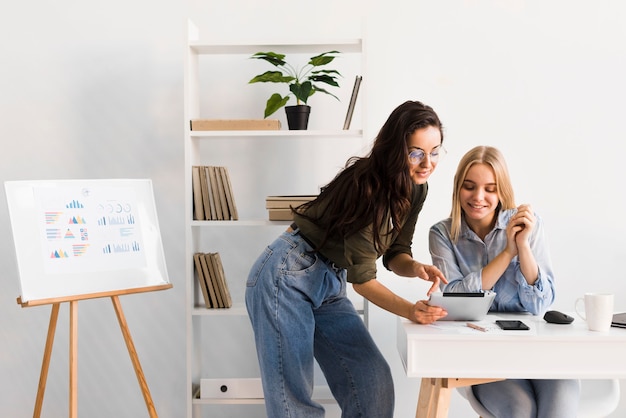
(85, 239)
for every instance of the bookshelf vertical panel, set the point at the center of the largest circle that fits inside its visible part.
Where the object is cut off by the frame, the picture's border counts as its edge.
(259, 164)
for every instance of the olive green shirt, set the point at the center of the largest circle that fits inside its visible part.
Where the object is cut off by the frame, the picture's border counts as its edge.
(356, 253)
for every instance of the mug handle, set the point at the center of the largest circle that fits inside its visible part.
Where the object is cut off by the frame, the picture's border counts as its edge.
(582, 315)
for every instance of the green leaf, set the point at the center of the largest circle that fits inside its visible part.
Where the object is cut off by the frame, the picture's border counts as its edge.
(271, 77)
(271, 57)
(326, 72)
(302, 91)
(322, 59)
(275, 102)
(323, 78)
(324, 91)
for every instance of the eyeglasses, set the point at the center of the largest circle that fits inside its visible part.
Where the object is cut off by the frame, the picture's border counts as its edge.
(417, 155)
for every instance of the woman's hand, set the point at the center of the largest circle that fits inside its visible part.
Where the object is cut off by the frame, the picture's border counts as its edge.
(524, 222)
(377, 293)
(404, 265)
(519, 228)
(430, 274)
(423, 313)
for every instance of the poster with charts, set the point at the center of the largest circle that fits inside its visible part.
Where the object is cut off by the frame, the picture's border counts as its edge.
(89, 228)
(75, 237)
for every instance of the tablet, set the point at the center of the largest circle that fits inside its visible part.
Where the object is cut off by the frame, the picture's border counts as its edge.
(463, 306)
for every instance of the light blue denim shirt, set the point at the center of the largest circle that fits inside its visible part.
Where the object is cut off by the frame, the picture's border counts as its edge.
(462, 263)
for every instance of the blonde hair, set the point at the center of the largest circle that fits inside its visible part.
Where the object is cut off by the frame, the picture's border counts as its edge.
(481, 155)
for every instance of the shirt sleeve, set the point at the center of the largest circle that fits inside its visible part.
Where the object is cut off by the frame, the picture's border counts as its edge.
(361, 256)
(538, 297)
(403, 242)
(443, 254)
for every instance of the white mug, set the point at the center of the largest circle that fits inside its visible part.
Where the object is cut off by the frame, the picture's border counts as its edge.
(598, 310)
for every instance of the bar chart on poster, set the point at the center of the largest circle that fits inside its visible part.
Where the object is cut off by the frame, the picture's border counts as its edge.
(79, 238)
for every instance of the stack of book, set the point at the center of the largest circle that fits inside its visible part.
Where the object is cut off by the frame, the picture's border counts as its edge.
(279, 207)
(213, 197)
(212, 280)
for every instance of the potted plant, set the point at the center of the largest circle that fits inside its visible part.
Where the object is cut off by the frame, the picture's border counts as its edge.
(303, 83)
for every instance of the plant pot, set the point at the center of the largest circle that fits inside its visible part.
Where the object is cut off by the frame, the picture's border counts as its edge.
(298, 117)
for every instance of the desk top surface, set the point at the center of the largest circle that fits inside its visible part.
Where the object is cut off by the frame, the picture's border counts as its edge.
(451, 349)
(539, 329)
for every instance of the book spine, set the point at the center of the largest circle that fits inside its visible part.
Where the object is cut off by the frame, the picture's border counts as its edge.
(198, 205)
(202, 280)
(355, 93)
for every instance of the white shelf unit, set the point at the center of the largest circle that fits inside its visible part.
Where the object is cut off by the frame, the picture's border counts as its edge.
(260, 163)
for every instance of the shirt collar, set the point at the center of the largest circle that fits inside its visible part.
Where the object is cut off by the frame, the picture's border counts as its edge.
(503, 220)
(504, 216)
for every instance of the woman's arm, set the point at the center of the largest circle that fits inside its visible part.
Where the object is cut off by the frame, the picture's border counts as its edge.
(381, 296)
(523, 222)
(404, 265)
(492, 272)
(535, 268)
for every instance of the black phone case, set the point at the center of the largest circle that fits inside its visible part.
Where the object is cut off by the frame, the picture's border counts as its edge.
(513, 325)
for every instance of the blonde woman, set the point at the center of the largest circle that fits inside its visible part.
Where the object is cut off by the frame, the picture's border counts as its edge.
(489, 243)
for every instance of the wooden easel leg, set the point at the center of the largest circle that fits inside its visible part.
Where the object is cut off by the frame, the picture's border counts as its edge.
(74, 359)
(133, 356)
(43, 376)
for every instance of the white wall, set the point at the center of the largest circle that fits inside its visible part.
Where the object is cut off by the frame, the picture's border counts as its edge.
(92, 90)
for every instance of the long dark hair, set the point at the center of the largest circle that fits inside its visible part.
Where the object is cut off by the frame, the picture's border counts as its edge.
(371, 188)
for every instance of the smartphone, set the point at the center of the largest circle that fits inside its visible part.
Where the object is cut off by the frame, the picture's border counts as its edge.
(512, 325)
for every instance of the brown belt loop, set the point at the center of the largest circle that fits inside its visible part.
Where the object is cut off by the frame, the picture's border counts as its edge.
(297, 231)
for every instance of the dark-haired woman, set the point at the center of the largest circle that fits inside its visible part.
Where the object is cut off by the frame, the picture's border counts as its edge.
(296, 290)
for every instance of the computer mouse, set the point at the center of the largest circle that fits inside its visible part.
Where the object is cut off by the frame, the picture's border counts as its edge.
(556, 317)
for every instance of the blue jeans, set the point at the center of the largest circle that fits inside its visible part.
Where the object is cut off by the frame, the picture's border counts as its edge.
(535, 398)
(297, 304)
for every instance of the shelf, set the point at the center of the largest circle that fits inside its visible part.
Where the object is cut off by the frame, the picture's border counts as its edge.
(238, 309)
(352, 133)
(252, 222)
(250, 401)
(238, 401)
(291, 47)
(321, 394)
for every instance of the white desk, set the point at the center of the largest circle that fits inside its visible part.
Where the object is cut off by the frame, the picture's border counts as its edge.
(451, 355)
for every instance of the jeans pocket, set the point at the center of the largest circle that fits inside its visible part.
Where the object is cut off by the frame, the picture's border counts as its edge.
(299, 262)
(257, 267)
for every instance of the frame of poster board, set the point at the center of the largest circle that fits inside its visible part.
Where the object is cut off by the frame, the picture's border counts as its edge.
(78, 239)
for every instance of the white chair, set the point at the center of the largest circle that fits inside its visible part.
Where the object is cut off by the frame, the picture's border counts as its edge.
(598, 398)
